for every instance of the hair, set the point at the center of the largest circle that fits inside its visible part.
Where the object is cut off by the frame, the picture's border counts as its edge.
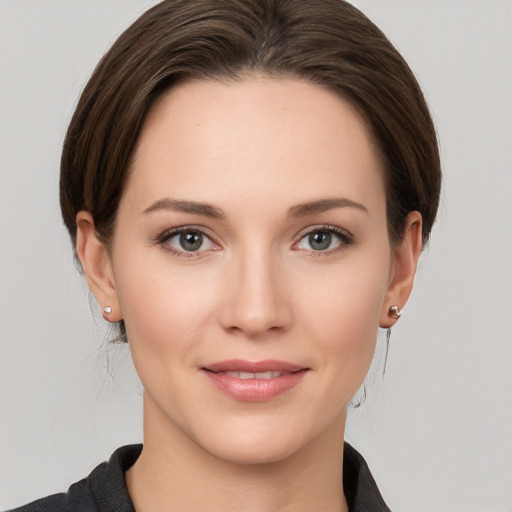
(325, 42)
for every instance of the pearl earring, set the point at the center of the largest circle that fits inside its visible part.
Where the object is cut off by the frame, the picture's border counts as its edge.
(107, 310)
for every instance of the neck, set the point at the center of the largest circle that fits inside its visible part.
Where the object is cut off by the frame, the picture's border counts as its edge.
(174, 473)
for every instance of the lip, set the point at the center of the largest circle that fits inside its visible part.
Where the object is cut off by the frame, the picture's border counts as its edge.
(254, 389)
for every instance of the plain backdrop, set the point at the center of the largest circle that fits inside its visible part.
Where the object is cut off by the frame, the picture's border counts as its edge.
(436, 431)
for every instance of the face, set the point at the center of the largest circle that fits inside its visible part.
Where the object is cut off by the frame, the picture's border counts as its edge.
(251, 265)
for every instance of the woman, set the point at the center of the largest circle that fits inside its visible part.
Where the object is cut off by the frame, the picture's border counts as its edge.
(248, 186)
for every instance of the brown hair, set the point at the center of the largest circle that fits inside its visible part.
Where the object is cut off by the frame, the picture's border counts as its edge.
(327, 42)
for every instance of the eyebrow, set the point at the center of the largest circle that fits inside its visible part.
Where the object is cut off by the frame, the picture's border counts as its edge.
(208, 210)
(323, 205)
(186, 207)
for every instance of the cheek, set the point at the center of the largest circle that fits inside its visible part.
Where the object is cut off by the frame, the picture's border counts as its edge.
(165, 313)
(162, 306)
(341, 310)
(345, 297)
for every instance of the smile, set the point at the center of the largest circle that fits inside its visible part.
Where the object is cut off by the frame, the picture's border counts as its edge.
(258, 375)
(249, 381)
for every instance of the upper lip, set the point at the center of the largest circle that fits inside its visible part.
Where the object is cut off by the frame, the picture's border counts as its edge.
(241, 365)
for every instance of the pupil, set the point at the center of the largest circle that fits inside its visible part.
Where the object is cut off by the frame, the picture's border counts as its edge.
(191, 241)
(320, 240)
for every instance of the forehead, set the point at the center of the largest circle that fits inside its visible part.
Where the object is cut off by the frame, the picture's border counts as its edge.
(286, 139)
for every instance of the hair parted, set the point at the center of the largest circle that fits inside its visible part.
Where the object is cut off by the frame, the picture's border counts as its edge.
(326, 42)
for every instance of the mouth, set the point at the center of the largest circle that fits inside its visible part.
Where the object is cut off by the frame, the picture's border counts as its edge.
(250, 381)
(254, 367)
(257, 375)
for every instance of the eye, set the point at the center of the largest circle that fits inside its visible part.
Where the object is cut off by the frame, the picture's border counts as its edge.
(186, 241)
(324, 239)
(189, 240)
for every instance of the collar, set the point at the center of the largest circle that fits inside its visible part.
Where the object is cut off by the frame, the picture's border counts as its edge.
(108, 486)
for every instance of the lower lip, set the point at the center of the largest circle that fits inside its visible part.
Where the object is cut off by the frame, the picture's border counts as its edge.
(255, 390)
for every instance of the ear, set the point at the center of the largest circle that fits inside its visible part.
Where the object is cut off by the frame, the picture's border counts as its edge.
(403, 269)
(95, 260)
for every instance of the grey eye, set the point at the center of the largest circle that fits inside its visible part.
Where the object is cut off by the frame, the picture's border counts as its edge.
(320, 240)
(187, 242)
(191, 240)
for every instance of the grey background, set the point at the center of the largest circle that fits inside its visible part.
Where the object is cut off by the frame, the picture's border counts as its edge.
(437, 431)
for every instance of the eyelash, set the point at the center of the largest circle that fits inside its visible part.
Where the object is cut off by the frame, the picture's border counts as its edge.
(164, 238)
(345, 238)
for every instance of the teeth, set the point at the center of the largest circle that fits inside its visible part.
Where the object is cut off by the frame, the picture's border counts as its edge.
(263, 375)
(259, 375)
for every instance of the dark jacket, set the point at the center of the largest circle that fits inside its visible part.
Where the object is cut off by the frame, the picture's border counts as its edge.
(104, 490)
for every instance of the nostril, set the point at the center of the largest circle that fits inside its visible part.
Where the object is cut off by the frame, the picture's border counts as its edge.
(255, 302)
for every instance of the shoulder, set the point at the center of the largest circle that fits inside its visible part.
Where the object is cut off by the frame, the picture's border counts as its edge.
(78, 498)
(104, 490)
(359, 486)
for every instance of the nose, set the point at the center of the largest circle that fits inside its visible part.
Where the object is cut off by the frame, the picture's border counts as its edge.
(257, 300)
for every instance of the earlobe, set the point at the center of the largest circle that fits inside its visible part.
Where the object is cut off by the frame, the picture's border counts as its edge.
(405, 261)
(95, 260)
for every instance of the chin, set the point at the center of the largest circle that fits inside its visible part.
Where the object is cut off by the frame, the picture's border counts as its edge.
(260, 440)
(253, 451)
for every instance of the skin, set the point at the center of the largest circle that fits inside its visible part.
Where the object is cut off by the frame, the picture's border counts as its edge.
(257, 289)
